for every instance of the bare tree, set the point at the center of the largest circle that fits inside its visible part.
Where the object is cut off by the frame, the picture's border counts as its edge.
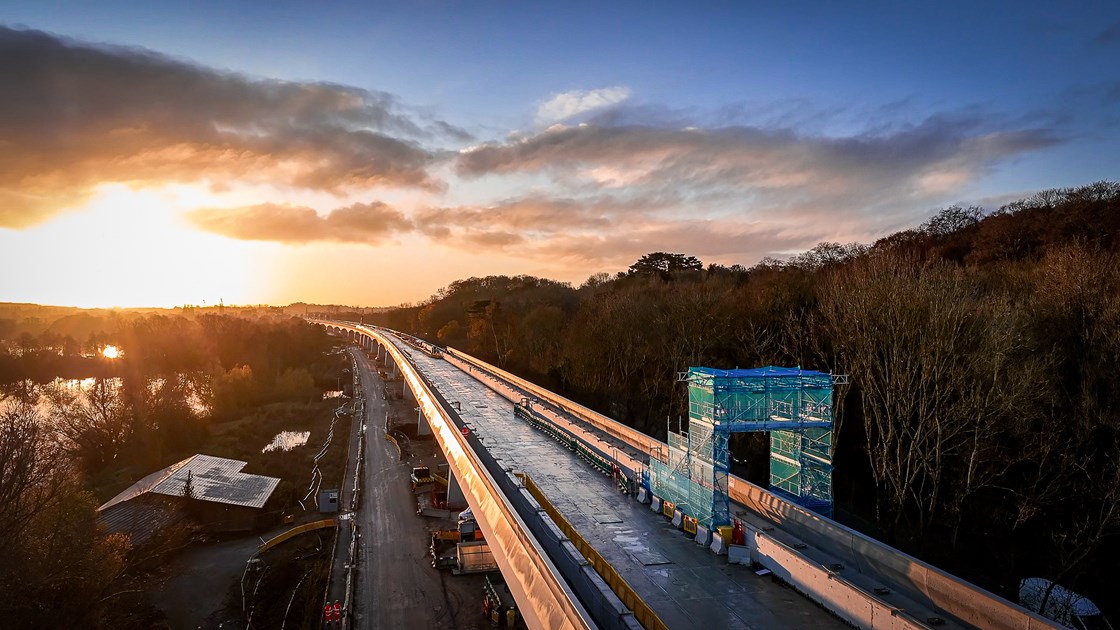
(31, 470)
(94, 425)
(910, 336)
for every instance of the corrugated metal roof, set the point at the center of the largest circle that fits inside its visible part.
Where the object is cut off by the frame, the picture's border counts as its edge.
(140, 519)
(219, 479)
(214, 479)
(144, 485)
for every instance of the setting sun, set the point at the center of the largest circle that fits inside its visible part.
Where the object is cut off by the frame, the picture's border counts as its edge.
(111, 352)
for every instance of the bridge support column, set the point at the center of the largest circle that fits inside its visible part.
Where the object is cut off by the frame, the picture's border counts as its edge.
(422, 426)
(455, 495)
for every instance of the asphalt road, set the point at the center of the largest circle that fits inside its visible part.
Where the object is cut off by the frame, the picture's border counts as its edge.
(396, 585)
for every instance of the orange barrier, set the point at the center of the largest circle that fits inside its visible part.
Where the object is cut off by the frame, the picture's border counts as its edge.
(296, 531)
(395, 444)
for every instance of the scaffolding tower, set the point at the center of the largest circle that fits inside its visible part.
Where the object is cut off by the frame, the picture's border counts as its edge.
(793, 405)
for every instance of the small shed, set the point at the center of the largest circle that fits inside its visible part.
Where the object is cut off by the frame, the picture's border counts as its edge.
(328, 501)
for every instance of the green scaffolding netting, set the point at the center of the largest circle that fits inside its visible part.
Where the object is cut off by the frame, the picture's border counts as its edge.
(793, 405)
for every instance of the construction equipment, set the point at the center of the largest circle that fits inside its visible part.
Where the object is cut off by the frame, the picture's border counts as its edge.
(421, 475)
(473, 557)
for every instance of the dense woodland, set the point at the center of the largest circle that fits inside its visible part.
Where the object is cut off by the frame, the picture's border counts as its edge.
(65, 449)
(981, 429)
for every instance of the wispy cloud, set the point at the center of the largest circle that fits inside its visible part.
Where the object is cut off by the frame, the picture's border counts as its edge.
(756, 157)
(369, 223)
(738, 191)
(732, 194)
(76, 115)
(567, 105)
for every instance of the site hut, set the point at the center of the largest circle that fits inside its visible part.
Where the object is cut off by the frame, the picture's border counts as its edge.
(328, 501)
(211, 489)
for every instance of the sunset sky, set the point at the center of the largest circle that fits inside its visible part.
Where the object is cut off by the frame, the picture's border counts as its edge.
(369, 154)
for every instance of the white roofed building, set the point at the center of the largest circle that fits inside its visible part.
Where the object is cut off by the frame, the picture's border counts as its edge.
(224, 498)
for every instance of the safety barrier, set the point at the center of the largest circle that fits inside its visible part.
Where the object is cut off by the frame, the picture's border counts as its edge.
(587, 451)
(607, 610)
(295, 531)
(642, 612)
(397, 446)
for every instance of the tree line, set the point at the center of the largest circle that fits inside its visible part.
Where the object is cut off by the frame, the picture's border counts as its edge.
(980, 429)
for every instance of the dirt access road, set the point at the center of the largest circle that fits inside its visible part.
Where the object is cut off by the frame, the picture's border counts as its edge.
(397, 586)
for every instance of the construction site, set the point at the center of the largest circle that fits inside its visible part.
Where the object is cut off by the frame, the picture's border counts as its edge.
(456, 545)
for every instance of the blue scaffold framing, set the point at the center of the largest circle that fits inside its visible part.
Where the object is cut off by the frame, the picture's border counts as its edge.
(793, 405)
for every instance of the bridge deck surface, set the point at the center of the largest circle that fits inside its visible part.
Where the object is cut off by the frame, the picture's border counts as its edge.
(635, 458)
(685, 584)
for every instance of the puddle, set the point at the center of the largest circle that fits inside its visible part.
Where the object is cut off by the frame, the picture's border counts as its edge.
(287, 440)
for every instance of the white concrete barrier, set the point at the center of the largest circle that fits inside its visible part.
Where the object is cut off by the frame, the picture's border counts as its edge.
(738, 554)
(719, 545)
(703, 536)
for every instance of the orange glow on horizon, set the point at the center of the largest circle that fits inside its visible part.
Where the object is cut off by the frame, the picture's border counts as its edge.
(131, 248)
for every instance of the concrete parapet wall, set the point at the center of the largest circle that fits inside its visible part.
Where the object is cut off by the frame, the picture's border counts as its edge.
(627, 434)
(594, 594)
(849, 602)
(918, 580)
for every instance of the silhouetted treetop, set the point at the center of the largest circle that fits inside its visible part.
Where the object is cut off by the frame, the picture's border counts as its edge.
(665, 264)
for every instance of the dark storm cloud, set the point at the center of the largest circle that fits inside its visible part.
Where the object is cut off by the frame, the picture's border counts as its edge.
(75, 115)
(358, 223)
